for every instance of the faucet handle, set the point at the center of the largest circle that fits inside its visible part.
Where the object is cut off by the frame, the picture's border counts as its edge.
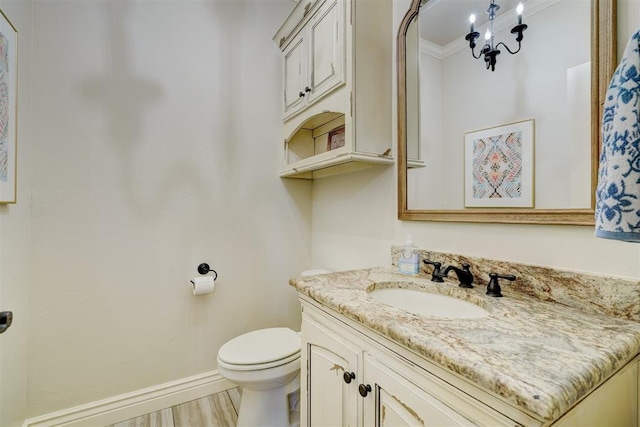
(436, 275)
(493, 288)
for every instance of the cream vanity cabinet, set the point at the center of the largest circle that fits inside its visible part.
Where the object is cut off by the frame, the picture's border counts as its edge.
(355, 377)
(337, 86)
(351, 381)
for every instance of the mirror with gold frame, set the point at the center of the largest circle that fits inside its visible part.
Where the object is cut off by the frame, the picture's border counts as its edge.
(411, 127)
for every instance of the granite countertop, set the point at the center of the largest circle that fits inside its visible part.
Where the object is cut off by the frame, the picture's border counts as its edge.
(542, 357)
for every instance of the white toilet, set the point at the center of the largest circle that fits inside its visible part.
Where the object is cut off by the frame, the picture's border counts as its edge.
(266, 364)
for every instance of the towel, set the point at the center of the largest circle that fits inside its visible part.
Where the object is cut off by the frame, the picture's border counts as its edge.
(618, 190)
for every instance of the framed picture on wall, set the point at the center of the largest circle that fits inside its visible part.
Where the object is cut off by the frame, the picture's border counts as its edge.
(8, 109)
(498, 166)
(336, 139)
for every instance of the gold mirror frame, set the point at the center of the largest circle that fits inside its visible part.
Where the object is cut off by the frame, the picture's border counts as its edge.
(603, 63)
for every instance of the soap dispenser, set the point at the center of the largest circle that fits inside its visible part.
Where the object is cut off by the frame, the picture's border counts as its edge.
(409, 262)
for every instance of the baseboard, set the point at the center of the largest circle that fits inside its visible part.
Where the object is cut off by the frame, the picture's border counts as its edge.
(131, 405)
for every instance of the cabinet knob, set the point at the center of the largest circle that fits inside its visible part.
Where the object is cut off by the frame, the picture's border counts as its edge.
(301, 94)
(364, 389)
(307, 89)
(348, 376)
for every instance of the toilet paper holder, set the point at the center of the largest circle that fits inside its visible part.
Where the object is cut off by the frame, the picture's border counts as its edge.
(205, 269)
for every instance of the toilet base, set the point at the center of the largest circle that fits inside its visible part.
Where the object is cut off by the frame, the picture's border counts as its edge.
(268, 408)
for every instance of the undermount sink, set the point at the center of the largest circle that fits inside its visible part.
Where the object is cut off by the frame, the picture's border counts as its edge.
(428, 304)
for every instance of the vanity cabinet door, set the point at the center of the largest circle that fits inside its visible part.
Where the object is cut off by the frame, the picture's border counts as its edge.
(329, 400)
(326, 42)
(396, 401)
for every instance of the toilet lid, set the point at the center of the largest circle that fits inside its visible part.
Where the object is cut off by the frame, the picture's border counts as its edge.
(261, 346)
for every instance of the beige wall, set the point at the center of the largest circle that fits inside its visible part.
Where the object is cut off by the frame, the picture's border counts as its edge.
(628, 21)
(154, 149)
(15, 242)
(354, 224)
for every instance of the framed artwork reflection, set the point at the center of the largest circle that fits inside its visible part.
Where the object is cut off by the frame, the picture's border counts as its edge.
(499, 166)
(8, 109)
(336, 139)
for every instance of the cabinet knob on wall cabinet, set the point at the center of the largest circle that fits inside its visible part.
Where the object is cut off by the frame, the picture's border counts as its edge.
(348, 376)
(307, 89)
(364, 389)
(301, 94)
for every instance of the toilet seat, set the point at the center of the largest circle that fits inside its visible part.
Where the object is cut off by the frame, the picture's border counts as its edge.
(261, 349)
(260, 366)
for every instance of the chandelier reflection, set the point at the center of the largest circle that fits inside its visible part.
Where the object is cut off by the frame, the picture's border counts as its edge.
(490, 50)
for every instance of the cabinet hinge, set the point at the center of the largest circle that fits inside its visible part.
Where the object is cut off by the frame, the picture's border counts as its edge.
(351, 104)
(351, 12)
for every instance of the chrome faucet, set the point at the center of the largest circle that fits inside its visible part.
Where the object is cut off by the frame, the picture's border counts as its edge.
(465, 277)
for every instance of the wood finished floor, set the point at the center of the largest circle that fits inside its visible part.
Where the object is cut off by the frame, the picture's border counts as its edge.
(217, 410)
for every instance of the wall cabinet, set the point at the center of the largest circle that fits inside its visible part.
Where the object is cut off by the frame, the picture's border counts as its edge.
(314, 59)
(295, 75)
(337, 86)
(354, 377)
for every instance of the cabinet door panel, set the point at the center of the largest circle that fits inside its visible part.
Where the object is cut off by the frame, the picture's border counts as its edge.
(330, 401)
(328, 398)
(326, 59)
(395, 413)
(398, 402)
(294, 74)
